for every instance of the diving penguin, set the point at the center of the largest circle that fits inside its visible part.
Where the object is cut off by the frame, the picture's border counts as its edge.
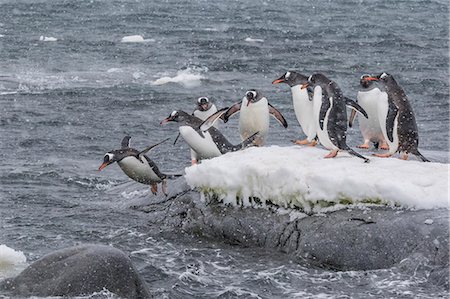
(137, 165)
(303, 105)
(331, 115)
(254, 111)
(397, 119)
(208, 143)
(370, 97)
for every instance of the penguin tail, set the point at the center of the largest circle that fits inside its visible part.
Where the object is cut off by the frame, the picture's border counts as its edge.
(418, 154)
(376, 144)
(353, 153)
(246, 143)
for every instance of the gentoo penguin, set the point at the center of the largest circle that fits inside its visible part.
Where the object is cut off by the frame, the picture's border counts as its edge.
(331, 115)
(397, 119)
(137, 165)
(254, 111)
(207, 143)
(204, 108)
(303, 105)
(370, 97)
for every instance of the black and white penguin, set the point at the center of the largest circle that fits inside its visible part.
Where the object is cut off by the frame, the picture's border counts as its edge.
(137, 165)
(331, 115)
(254, 111)
(207, 143)
(303, 105)
(204, 109)
(397, 119)
(370, 97)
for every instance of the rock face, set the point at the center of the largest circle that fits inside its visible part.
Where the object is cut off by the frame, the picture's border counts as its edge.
(375, 238)
(80, 270)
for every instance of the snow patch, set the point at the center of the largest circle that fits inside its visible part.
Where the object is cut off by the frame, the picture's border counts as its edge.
(47, 39)
(188, 78)
(135, 39)
(299, 177)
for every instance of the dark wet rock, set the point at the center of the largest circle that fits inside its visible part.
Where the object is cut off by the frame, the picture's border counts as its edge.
(349, 239)
(80, 270)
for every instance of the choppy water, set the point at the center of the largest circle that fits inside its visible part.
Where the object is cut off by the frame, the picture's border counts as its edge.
(65, 103)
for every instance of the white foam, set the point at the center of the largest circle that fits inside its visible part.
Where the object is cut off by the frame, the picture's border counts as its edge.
(254, 40)
(11, 261)
(300, 177)
(135, 39)
(47, 39)
(188, 78)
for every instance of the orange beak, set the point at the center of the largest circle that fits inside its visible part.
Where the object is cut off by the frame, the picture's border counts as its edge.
(305, 86)
(371, 78)
(164, 121)
(277, 81)
(103, 166)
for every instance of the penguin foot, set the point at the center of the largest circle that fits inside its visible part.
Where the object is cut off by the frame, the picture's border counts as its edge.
(386, 155)
(365, 145)
(301, 142)
(154, 189)
(313, 143)
(404, 156)
(194, 162)
(332, 154)
(384, 146)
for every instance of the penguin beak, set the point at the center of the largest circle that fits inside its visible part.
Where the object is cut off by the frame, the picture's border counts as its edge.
(165, 121)
(305, 86)
(248, 103)
(103, 166)
(279, 80)
(370, 79)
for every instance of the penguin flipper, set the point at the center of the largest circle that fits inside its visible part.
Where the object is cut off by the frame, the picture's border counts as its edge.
(390, 119)
(211, 120)
(125, 142)
(353, 153)
(246, 143)
(176, 139)
(277, 114)
(355, 106)
(352, 118)
(232, 110)
(323, 110)
(150, 147)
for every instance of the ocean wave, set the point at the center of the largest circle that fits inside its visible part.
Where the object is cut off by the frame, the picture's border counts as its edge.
(11, 261)
(188, 78)
(135, 39)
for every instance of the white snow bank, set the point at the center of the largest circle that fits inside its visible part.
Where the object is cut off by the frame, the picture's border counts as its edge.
(135, 39)
(11, 261)
(47, 39)
(254, 40)
(300, 177)
(187, 77)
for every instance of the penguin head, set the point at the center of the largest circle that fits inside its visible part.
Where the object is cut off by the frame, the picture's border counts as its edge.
(113, 156)
(292, 78)
(365, 82)
(384, 78)
(175, 116)
(203, 104)
(252, 96)
(316, 79)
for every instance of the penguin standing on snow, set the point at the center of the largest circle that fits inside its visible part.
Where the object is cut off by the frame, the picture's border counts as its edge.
(397, 119)
(137, 165)
(303, 105)
(206, 143)
(370, 97)
(254, 111)
(331, 115)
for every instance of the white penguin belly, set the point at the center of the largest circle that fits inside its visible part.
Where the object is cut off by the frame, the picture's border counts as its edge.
(138, 170)
(383, 108)
(205, 114)
(303, 109)
(370, 128)
(254, 118)
(323, 136)
(204, 147)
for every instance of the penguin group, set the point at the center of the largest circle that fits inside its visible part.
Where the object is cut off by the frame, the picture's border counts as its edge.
(386, 120)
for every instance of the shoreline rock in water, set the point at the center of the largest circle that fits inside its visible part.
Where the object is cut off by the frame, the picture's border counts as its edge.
(79, 270)
(347, 239)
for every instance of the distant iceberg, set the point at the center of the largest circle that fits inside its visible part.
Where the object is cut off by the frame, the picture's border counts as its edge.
(47, 39)
(299, 177)
(135, 39)
(188, 78)
(254, 40)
